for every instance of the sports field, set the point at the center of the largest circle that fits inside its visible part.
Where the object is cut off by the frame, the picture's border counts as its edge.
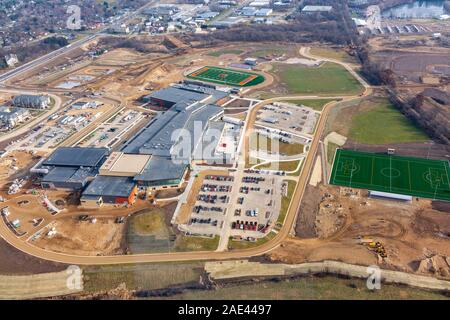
(227, 76)
(328, 79)
(403, 175)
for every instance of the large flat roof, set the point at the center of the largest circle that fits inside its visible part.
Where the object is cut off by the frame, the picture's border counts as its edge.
(198, 86)
(197, 118)
(110, 186)
(188, 93)
(175, 95)
(68, 174)
(317, 8)
(124, 164)
(210, 135)
(76, 157)
(161, 134)
(162, 169)
(12, 111)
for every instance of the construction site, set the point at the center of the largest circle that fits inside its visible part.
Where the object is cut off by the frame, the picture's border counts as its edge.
(93, 162)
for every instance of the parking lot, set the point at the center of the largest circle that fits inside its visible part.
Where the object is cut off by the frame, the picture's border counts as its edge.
(209, 212)
(281, 136)
(46, 137)
(288, 117)
(113, 131)
(258, 204)
(247, 208)
(61, 125)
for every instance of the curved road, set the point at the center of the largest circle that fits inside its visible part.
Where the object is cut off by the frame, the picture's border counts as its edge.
(187, 256)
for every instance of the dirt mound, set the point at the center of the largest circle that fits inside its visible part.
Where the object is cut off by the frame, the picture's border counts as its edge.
(433, 223)
(443, 206)
(330, 218)
(119, 293)
(437, 265)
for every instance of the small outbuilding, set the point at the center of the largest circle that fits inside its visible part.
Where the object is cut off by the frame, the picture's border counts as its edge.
(390, 196)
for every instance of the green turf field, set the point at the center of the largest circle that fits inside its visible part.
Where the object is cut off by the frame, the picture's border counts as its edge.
(366, 124)
(227, 76)
(329, 78)
(404, 175)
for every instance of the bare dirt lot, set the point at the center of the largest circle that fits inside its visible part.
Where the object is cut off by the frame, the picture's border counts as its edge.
(239, 103)
(13, 261)
(84, 237)
(411, 57)
(416, 237)
(16, 165)
(413, 66)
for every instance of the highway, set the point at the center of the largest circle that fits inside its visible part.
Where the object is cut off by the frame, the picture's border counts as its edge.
(291, 216)
(9, 75)
(44, 59)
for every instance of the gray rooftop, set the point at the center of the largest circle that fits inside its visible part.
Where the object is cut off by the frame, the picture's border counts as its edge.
(199, 87)
(161, 134)
(11, 112)
(30, 99)
(188, 93)
(76, 157)
(176, 95)
(208, 15)
(67, 174)
(212, 139)
(110, 186)
(317, 9)
(161, 169)
(193, 120)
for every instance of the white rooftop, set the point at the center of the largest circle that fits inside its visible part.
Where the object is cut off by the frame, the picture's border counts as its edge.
(317, 8)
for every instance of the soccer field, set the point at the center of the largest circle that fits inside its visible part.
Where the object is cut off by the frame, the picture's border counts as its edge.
(403, 175)
(227, 76)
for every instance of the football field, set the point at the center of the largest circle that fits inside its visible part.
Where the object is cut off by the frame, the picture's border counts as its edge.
(227, 76)
(388, 173)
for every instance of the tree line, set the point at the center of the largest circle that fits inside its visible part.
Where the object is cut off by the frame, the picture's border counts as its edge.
(334, 27)
(33, 50)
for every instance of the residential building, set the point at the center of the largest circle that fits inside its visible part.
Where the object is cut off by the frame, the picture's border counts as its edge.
(32, 101)
(11, 116)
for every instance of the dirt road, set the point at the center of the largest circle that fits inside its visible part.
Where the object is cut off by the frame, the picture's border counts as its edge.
(38, 285)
